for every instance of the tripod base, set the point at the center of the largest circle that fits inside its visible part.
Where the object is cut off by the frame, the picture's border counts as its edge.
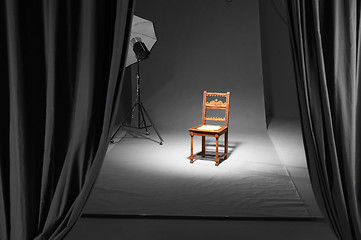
(142, 124)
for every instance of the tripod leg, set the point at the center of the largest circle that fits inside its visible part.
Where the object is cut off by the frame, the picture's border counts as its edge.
(116, 132)
(139, 110)
(155, 129)
(130, 112)
(144, 122)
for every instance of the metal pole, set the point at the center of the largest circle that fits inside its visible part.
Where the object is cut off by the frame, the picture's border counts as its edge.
(138, 91)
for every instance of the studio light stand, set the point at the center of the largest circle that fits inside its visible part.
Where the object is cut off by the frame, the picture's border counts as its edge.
(141, 53)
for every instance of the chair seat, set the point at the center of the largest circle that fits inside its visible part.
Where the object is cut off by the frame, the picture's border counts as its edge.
(209, 129)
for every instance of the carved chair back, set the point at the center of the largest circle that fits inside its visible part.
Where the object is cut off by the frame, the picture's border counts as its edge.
(216, 104)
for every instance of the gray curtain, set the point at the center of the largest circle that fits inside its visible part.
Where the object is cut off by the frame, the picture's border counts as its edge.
(61, 68)
(325, 36)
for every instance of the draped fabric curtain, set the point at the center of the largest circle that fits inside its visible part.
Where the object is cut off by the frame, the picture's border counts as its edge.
(325, 36)
(61, 65)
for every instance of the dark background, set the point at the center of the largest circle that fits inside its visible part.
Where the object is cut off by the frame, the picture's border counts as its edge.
(216, 46)
(277, 63)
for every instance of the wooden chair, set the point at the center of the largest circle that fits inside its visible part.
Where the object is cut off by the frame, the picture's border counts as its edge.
(216, 131)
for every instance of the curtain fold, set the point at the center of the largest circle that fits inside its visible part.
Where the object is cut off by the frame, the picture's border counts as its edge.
(325, 37)
(61, 66)
(4, 130)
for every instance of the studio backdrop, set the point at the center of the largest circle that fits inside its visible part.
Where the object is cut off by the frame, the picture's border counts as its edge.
(61, 68)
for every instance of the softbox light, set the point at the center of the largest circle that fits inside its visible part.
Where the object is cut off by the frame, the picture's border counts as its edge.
(142, 37)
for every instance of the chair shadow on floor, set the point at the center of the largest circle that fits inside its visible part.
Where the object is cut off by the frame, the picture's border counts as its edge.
(211, 149)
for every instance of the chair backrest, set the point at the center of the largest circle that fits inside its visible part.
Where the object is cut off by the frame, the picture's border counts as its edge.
(216, 104)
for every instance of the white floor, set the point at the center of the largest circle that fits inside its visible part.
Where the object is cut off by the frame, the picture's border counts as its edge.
(287, 141)
(141, 177)
(286, 136)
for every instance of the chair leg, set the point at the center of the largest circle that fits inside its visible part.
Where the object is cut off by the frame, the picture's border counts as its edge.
(226, 145)
(203, 146)
(217, 159)
(191, 156)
